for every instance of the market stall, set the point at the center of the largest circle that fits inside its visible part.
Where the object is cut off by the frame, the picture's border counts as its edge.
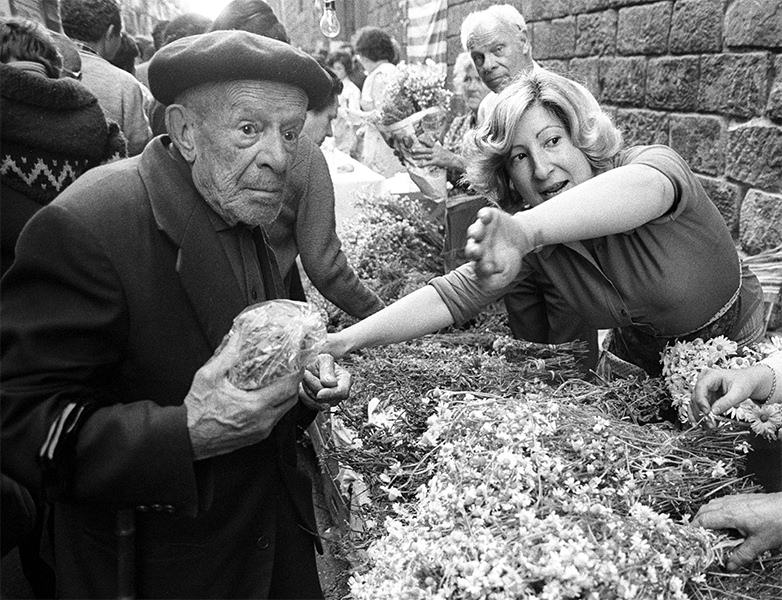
(471, 465)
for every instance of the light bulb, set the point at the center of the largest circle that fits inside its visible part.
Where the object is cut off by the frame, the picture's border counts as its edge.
(329, 23)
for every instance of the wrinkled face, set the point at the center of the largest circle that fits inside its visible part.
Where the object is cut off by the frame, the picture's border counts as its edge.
(339, 70)
(318, 124)
(543, 161)
(244, 136)
(499, 53)
(473, 88)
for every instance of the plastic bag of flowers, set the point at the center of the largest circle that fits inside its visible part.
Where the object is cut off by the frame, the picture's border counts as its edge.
(275, 338)
(414, 108)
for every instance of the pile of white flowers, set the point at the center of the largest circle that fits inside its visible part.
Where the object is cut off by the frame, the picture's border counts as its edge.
(683, 361)
(536, 498)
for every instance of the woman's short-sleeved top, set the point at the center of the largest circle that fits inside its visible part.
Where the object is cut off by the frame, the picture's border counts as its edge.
(375, 86)
(672, 274)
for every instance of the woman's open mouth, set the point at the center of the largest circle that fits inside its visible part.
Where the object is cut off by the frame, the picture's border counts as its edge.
(553, 190)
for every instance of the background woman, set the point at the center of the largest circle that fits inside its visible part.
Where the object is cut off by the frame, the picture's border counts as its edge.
(450, 154)
(344, 126)
(615, 239)
(376, 52)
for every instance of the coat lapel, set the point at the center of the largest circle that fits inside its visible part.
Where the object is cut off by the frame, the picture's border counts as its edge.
(202, 266)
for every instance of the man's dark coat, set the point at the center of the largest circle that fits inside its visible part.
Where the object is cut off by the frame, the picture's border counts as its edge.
(120, 292)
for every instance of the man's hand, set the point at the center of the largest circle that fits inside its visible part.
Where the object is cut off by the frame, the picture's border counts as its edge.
(325, 383)
(758, 517)
(497, 243)
(222, 418)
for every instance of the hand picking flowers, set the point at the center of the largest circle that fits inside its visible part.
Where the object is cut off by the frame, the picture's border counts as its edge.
(683, 361)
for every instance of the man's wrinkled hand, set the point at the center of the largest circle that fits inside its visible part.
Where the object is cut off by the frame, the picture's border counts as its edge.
(758, 517)
(325, 382)
(222, 418)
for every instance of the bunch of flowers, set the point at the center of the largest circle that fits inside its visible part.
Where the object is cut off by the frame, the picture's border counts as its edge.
(534, 497)
(417, 87)
(392, 244)
(683, 361)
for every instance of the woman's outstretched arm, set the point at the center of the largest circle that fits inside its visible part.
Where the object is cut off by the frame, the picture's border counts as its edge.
(418, 313)
(615, 201)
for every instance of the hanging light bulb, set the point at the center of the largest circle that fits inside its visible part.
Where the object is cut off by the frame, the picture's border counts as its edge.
(329, 23)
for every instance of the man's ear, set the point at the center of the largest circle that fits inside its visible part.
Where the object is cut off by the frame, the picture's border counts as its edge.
(180, 129)
(111, 32)
(524, 35)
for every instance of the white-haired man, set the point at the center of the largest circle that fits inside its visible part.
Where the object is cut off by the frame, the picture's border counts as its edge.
(113, 311)
(499, 45)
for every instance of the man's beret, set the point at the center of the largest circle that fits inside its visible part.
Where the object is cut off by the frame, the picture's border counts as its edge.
(230, 56)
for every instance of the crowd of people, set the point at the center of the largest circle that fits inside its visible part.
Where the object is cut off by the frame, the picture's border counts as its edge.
(151, 192)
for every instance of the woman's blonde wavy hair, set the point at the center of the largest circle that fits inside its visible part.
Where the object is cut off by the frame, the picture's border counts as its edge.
(589, 127)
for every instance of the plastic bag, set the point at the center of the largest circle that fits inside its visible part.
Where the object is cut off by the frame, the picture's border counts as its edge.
(276, 338)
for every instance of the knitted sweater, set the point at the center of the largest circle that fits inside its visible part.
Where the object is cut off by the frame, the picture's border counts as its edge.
(53, 130)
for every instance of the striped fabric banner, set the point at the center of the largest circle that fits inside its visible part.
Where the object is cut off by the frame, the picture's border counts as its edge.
(427, 29)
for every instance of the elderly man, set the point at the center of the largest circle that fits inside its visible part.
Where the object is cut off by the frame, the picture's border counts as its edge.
(497, 41)
(122, 290)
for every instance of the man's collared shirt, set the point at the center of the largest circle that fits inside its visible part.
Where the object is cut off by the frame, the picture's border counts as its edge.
(247, 250)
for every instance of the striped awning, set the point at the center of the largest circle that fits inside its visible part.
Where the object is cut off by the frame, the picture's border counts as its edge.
(427, 30)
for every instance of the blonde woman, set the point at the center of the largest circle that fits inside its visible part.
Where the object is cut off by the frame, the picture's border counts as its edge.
(614, 238)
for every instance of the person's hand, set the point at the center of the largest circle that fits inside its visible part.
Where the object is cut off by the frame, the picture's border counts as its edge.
(222, 418)
(717, 390)
(434, 155)
(497, 242)
(336, 344)
(758, 517)
(325, 383)
(401, 146)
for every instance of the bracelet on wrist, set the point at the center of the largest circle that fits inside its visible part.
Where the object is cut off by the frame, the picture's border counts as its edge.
(773, 389)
